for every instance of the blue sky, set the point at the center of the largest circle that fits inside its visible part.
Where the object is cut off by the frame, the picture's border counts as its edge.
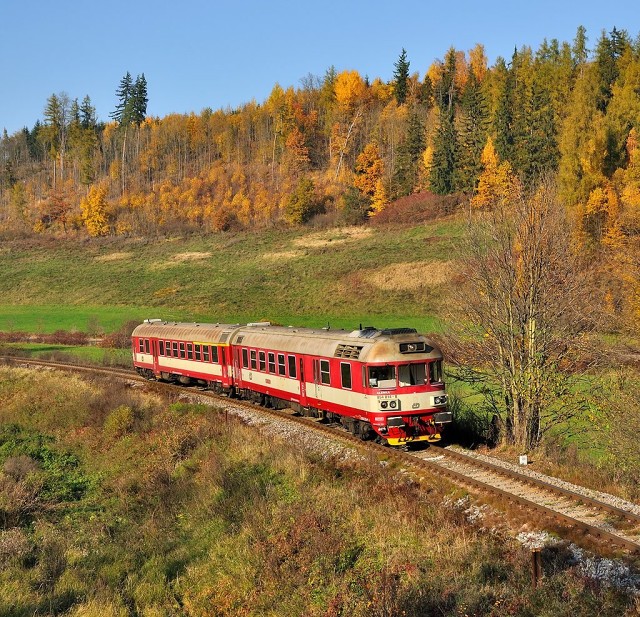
(197, 54)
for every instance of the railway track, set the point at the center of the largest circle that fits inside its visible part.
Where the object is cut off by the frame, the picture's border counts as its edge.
(587, 516)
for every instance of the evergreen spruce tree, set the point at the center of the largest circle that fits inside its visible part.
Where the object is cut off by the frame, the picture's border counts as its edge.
(400, 77)
(443, 168)
(122, 112)
(503, 119)
(442, 175)
(579, 50)
(405, 176)
(472, 134)
(139, 100)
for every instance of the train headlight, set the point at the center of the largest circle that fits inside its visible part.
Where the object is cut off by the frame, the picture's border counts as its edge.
(383, 405)
(392, 404)
(440, 400)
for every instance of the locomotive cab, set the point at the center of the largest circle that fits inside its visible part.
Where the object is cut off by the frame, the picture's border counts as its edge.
(407, 400)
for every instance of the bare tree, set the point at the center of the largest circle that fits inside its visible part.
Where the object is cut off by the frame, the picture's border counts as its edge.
(526, 309)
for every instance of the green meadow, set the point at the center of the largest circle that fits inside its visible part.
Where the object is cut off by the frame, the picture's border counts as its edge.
(391, 276)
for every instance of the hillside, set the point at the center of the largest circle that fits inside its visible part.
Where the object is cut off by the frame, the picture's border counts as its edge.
(390, 275)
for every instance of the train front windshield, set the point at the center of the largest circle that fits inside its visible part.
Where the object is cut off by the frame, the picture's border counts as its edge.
(408, 375)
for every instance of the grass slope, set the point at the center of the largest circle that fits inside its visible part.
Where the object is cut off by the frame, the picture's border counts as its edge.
(379, 276)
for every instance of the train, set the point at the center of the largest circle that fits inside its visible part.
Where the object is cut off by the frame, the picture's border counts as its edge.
(380, 384)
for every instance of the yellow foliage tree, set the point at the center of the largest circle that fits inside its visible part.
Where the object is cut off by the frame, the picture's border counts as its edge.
(379, 199)
(369, 170)
(94, 209)
(349, 89)
(497, 180)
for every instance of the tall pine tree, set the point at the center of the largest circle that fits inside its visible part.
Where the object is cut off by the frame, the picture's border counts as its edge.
(401, 77)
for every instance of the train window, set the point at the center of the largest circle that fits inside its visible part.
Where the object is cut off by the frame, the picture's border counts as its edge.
(190, 351)
(197, 352)
(167, 348)
(214, 354)
(262, 357)
(182, 354)
(272, 362)
(161, 343)
(140, 345)
(435, 371)
(412, 374)
(292, 366)
(245, 358)
(382, 376)
(146, 346)
(205, 353)
(325, 376)
(281, 367)
(254, 364)
(345, 374)
(175, 350)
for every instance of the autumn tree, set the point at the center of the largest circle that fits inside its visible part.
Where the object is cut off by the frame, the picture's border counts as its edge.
(369, 170)
(525, 309)
(496, 183)
(94, 209)
(303, 204)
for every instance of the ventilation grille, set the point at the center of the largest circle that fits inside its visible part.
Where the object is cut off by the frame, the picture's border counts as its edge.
(392, 331)
(348, 351)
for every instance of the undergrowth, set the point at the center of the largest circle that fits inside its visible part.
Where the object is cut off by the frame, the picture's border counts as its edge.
(141, 506)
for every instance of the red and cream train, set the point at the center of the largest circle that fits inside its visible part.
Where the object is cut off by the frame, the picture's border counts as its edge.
(379, 384)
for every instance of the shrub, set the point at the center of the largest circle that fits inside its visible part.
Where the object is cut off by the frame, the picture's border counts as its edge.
(119, 422)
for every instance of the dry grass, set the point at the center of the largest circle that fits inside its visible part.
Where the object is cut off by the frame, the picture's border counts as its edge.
(333, 236)
(114, 257)
(412, 276)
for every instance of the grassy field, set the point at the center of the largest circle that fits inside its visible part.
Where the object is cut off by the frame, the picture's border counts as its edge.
(375, 276)
(115, 503)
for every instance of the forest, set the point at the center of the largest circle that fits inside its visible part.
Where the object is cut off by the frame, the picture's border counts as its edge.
(344, 147)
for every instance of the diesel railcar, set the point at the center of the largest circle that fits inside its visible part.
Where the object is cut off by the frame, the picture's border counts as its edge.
(380, 384)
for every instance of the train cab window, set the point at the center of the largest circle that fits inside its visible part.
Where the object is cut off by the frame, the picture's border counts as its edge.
(272, 362)
(345, 375)
(254, 363)
(190, 351)
(146, 346)
(382, 376)
(161, 344)
(197, 352)
(281, 367)
(205, 353)
(182, 354)
(325, 376)
(435, 371)
(412, 374)
(140, 345)
(262, 357)
(175, 350)
(292, 366)
(245, 358)
(214, 354)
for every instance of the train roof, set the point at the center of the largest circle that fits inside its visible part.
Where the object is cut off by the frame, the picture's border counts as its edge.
(366, 344)
(201, 332)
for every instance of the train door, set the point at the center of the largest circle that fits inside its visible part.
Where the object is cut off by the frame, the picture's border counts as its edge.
(237, 370)
(303, 385)
(225, 362)
(318, 366)
(154, 353)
